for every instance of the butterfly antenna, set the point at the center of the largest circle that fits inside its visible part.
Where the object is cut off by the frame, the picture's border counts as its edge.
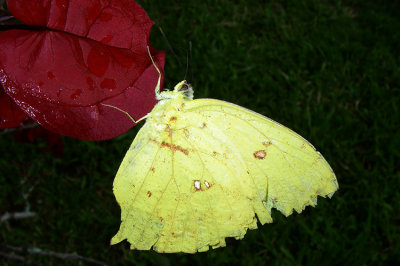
(188, 59)
(187, 65)
(125, 112)
(170, 46)
(157, 89)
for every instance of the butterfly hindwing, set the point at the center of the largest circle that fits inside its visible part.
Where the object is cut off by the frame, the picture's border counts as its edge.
(295, 172)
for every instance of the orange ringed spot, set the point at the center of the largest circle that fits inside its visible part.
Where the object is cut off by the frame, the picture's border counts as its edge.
(260, 154)
(172, 118)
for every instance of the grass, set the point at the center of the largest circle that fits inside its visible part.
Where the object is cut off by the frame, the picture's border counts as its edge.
(327, 69)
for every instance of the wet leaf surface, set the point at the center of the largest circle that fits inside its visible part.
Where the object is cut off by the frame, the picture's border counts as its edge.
(87, 53)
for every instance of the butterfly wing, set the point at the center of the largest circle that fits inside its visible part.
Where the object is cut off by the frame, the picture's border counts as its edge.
(287, 171)
(176, 197)
(208, 172)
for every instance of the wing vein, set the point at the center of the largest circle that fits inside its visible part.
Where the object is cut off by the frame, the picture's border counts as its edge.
(270, 138)
(208, 196)
(242, 159)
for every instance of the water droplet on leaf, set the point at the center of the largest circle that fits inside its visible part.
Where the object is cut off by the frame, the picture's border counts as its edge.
(97, 62)
(76, 94)
(108, 84)
(50, 75)
(105, 16)
(90, 83)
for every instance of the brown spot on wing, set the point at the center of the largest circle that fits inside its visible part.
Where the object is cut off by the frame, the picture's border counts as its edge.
(174, 147)
(260, 154)
(168, 130)
(186, 132)
(179, 148)
(267, 143)
(153, 140)
(152, 169)
(149, 193)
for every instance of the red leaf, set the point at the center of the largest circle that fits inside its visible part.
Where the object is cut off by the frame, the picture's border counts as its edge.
(92, 52)
(10, 114)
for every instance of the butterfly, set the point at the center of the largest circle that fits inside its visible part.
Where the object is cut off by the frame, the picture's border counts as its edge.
(202, 170)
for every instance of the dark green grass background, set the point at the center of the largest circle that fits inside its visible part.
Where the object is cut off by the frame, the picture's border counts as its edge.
(327, 69)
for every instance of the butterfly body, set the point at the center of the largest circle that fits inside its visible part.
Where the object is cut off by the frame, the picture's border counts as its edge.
(202, 170)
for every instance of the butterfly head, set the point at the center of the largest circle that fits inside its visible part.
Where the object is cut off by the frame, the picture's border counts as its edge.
(182, 90)
(185, 89)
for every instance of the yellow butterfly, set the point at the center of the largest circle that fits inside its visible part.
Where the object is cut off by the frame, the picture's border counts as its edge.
(202, 170)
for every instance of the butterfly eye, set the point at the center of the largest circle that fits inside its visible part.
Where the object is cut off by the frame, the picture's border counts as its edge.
(185, 87)
(187, 90)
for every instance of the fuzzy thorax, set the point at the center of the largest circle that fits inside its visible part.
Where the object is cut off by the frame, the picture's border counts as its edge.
(171, 103)
(182, 90)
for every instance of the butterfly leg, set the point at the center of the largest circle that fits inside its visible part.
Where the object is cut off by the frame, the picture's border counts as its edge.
(157, 89)
(125, 112)
(157, 92)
